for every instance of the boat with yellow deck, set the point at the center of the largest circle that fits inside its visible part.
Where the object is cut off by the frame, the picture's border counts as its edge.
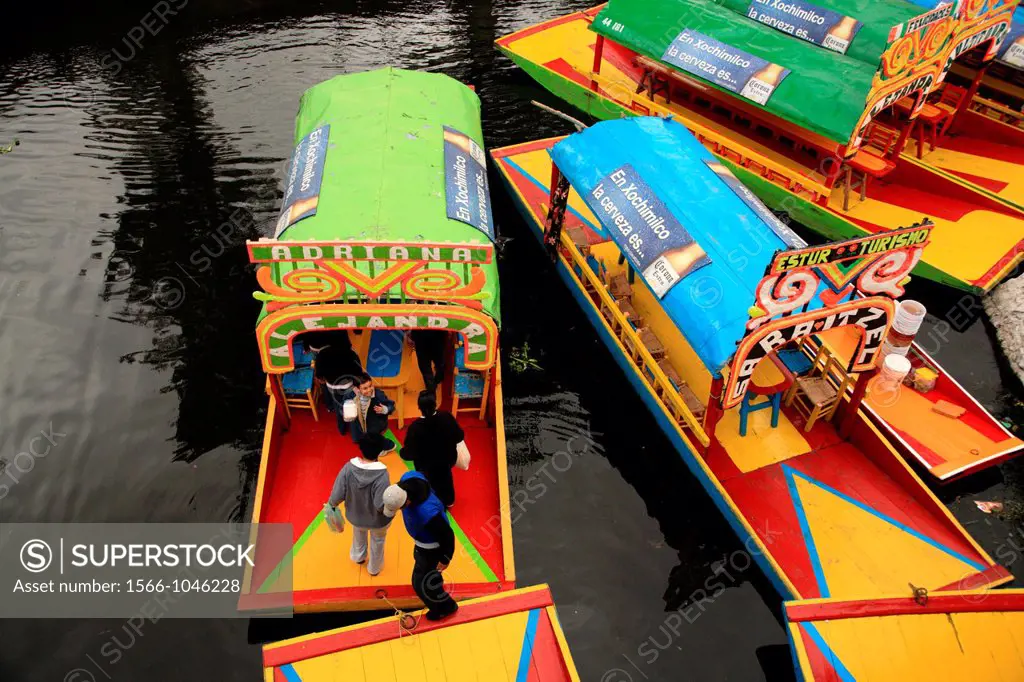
(939, 636)
(386, 227)
(824, 136)
(512, 636)
(665, 251)
(942, 429)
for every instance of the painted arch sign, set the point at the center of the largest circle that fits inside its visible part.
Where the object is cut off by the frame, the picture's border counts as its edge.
(276, 332)
(872, 314)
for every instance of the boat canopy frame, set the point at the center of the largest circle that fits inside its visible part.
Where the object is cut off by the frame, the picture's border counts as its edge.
(374, 285)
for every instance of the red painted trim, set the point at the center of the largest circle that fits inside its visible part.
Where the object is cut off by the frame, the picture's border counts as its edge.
(538, 28)
(905, 606)
(338, 595)
(525, 147)
(991, 185)
(992, 272)
(373, 633)
(975, 581)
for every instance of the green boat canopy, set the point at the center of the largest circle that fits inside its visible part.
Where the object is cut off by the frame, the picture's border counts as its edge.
(877, 16)
(383, 175)
(825, 92)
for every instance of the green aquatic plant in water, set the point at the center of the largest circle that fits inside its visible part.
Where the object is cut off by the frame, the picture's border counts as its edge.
(520, 361)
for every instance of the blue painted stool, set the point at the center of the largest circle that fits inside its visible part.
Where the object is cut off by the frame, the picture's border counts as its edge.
(746, 407)
(795, 361)
(300, 390)
(469, 384)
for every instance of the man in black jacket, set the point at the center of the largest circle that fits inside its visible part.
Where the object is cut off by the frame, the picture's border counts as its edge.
(427, 523)
(431, 346)
(431, 445)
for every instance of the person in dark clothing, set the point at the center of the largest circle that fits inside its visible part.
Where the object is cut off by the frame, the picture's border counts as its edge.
(372, 407)
(337, 365)
(427, 523)
(431, 446)
(430, 345)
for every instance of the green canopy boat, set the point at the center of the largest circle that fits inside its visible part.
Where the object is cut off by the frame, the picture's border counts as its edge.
(387, 203)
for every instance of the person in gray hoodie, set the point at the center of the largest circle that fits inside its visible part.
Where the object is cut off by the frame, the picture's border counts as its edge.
(360, 485)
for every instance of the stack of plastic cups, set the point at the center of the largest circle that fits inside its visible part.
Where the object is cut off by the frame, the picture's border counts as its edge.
(909, 316)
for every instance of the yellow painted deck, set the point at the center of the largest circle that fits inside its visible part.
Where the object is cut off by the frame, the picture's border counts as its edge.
(968, 635)
(947, 447)
(514, 636)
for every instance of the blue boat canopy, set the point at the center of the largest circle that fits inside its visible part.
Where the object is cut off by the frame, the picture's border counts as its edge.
(739, 237)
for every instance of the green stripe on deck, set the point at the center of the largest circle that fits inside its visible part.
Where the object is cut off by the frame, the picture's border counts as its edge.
(460, 535)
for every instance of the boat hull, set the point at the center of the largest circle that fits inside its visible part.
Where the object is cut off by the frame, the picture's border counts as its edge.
(765, 499)
(298, 465)
(977, 269)
(943, 636)
(514, 636)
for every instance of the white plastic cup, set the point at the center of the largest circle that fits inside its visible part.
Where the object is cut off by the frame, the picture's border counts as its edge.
(889, 348)
(894, 368)
(909, 316)
(349, 411)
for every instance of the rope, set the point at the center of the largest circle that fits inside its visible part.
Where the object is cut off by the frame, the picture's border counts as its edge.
(406, 621)
(920, 594)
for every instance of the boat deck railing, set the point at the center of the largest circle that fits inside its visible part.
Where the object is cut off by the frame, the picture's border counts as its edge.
(642, 359)
(758, 164)
(997, 111)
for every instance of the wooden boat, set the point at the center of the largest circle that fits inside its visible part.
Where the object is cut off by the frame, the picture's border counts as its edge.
(822, 147)
(948, 448)
(940, 636)
(826, 510)
(380, 255)
(511, 636)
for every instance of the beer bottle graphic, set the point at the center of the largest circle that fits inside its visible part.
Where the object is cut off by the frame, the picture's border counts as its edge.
(673, 265)
(761, 85)
(685, 259)
(770, 75)
(839, 36)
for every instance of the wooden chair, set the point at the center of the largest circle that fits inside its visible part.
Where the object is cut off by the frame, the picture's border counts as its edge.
(950, 99)
(871, 160)
(693, 403)
(619, 287)
(469, 385)
(814, 396)
(301, 390)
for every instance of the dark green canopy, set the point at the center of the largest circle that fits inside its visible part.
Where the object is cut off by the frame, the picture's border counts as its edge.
(825, 91)
(877, 16)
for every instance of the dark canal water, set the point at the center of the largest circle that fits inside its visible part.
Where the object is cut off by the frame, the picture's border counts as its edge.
(126, 323)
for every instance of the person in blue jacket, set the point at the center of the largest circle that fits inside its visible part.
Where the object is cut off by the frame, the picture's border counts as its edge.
(427, 523)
